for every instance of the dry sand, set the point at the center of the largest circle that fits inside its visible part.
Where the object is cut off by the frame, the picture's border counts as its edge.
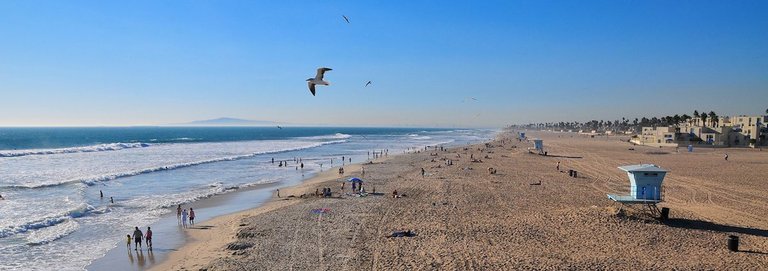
(468, 219)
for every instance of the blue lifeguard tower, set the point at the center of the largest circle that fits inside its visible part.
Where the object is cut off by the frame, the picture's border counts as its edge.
(538, 145)
(645, 186)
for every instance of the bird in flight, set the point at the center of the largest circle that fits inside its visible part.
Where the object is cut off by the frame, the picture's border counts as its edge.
(366, 84)
(345, 18)
(318, 80)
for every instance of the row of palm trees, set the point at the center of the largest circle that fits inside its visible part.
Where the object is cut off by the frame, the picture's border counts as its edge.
(629, 125)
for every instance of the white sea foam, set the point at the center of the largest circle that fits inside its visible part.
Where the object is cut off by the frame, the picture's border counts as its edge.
(321, 137)
(30, 222)
(37, 181)
(93, 148)
(50, 234)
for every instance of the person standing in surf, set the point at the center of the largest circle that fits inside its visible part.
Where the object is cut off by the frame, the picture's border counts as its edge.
(148, 236)
(191, 216)
(178, 213)
(184, 218)
(137, 235)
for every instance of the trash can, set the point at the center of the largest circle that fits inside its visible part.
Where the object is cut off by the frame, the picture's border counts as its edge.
(575, 174)
(733, 243)
(570, 172)
(664, 214)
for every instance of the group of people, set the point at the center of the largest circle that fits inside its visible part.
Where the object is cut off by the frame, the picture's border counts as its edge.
(326, 192)
(101, 195)
(137, 236)
(284, 163)
(182, 215)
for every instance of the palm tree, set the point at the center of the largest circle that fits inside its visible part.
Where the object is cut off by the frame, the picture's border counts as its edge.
(703, 119)
(696, 115)
(713, 118)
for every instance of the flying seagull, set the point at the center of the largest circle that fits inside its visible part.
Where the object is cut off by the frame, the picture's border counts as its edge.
(345, 18)
(366, 84)
(318, 80)
(473, 98)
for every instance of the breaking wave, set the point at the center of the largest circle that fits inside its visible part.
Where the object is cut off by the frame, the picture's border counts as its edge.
(107, 177)
(92, 148)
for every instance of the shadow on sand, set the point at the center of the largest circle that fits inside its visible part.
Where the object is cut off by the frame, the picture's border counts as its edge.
(705, 225)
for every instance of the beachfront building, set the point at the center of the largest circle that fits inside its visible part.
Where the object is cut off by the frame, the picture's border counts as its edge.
(739, 131)
(750, 130)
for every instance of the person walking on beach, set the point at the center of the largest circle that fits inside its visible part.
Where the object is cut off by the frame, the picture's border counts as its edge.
(101, 194)
(726, 157)
(278, 193)
(302, 165)
(128, 244)
(111, 200)
(191, 216)
(423, 172)
(178, 213)
(137, 234)
(558, 166)
(184, 215)
(148, 237)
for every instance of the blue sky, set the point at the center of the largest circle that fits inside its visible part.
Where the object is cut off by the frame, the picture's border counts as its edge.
(157, 62)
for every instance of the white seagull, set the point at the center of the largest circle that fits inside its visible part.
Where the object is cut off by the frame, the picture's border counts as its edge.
(318, 80)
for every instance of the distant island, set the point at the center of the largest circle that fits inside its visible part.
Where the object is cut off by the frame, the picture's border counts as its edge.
(227, 122)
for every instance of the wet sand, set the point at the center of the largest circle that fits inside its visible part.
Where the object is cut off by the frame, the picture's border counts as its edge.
(526, 216)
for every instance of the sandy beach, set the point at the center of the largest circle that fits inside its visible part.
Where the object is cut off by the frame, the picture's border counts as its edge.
(526, 216)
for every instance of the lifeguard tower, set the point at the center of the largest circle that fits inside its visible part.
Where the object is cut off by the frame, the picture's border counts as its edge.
(538, 145)
(645, 187)
(521, 135)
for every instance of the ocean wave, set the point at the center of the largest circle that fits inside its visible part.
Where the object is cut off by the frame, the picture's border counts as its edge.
(92, 148)
(52, 220)
(321, 137)
(107, 177)
(53, 233)
(206, 191)
(422, 137)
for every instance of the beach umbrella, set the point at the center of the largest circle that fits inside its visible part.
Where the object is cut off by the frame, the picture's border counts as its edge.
(355, 179)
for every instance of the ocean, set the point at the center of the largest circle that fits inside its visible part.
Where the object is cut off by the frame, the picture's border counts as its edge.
(53, 217)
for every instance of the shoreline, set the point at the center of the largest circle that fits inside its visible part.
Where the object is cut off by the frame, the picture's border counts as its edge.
(205, 242)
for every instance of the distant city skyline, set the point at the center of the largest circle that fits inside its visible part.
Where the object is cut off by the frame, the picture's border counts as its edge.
(104, 63)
